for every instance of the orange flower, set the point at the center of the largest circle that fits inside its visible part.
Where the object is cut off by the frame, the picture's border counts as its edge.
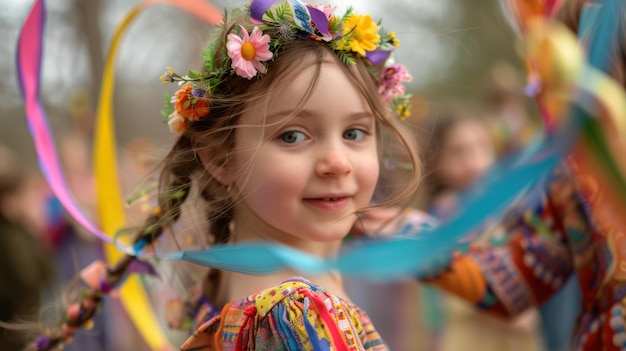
(192, 104)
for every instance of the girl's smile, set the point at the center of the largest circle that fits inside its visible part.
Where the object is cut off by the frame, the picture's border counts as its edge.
(329, 203)
(305, 170)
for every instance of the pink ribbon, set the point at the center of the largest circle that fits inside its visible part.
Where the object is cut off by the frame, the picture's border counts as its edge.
(29, 52)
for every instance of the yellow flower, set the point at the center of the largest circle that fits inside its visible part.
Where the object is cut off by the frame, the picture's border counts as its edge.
(168, 76)
(89, 324)
(361, 31)
(391, 38)
(403, 112)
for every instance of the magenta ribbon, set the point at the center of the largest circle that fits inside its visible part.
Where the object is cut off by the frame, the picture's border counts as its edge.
(29, 53)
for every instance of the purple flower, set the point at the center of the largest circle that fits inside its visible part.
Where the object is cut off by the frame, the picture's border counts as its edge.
(198, 92)
(42, 342)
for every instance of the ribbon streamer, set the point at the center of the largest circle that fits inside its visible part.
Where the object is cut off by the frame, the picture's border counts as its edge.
(383, 259)
(412, 253)
(276, 257)
(29, 53)
(509, 181)
(110, 210)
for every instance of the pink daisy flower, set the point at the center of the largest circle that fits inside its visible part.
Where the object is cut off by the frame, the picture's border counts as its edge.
(248, 52)
(392, 81)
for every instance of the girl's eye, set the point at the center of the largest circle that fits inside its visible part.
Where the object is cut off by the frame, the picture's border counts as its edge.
(292, 137)
(353, 134)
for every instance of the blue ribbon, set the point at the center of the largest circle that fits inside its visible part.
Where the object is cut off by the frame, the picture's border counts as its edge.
(411, 253)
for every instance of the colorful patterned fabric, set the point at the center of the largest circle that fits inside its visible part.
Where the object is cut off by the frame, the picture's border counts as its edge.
(294, 315)
(575, 229)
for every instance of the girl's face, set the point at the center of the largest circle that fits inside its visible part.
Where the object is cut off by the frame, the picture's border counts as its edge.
(466, 152)
(302, 179)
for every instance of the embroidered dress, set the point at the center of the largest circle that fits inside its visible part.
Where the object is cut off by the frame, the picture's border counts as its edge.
(293, 315)
(576, 229)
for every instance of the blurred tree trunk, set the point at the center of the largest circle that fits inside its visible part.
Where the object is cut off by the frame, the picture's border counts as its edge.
(89, 21)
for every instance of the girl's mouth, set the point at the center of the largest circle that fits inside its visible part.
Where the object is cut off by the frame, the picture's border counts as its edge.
(328, 203)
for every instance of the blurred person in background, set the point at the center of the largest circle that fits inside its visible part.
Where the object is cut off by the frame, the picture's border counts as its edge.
(459, 149)
(507, 105)
(576, 225)
(25, 262)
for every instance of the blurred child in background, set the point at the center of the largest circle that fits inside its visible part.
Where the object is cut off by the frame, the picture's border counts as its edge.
(459, 149)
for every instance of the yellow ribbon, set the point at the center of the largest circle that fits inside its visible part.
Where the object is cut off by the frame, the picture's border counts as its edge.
(110, 209)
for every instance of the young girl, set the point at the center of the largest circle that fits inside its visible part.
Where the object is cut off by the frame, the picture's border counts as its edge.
(279, 134)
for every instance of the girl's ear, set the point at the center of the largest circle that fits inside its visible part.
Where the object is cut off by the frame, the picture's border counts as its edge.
(216, 166)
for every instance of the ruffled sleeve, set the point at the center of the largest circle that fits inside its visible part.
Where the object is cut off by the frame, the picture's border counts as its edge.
(532, 265)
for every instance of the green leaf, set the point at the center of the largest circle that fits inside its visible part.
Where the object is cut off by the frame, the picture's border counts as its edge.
(281, 11)
(347, 14)
(334, 24)
(382, 31)
(208, 54)
(346, 57)
(180, 193)
(169, 108)
(149, 229)
(194, 74)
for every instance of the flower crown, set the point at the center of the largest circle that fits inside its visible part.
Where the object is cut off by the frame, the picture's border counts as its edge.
(246, 54)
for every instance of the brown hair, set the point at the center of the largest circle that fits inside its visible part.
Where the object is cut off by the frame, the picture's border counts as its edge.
(214, 135)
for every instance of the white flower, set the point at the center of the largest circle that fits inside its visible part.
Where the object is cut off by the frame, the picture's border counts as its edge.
(177, 123)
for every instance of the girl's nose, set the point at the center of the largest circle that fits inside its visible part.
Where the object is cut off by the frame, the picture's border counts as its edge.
(334, 163)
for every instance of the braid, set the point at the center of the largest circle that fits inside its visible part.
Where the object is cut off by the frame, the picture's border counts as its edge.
(184, 164)
(79, 315)
(180, 168)
(171, 201)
